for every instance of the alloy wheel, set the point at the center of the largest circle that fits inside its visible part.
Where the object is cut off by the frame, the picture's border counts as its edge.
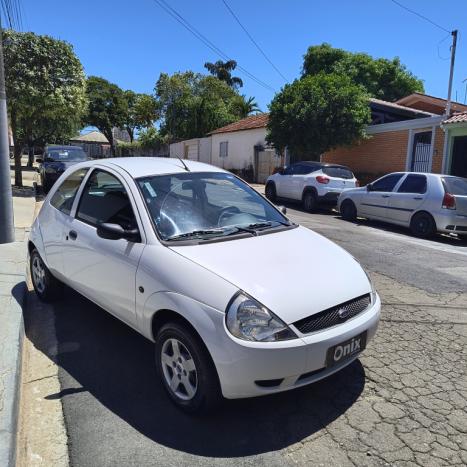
(179, 369)
(38, 273)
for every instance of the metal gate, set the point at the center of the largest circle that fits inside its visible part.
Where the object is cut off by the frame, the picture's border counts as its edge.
(267, 161)
(421, 152)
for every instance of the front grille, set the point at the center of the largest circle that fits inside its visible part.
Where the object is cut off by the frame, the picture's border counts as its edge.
(332, 316)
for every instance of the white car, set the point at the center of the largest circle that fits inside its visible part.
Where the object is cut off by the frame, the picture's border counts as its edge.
(200, 263)
(426, 203)
(312, 183)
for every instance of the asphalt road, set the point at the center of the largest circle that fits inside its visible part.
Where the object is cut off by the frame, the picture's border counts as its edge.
(403, 402)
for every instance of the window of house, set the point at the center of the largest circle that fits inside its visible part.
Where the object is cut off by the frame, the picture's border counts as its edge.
(105, 199)
(413, 184)
(63, 198)
(223, 149)
(386, 183)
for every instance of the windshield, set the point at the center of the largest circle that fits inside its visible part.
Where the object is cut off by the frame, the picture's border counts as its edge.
(65, 155)
(456, 185)
(197, 205)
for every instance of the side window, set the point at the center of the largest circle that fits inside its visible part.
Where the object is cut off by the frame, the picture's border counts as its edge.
(413, 184)
(65, 195)
(289, 170)
(105, 199)
(386, 183)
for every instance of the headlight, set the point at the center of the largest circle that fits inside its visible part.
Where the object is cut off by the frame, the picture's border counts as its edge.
(249, 320)
(50, 170)
(373, 290)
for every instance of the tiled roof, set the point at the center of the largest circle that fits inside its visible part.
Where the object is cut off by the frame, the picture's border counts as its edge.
(400, 107)
(248, 123)
(457, 118)
(91, 137)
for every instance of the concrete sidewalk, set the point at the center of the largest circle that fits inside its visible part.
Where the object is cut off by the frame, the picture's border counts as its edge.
(13, 258)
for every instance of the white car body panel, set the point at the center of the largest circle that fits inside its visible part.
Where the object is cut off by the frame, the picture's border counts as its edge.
(279, 272)
(295, 273)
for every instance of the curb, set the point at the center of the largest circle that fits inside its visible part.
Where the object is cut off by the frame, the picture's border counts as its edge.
(12, 335)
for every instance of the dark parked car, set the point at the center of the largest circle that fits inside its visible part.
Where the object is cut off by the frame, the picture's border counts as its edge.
(55, 160)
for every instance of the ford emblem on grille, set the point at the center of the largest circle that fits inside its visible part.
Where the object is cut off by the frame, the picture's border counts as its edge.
(343, 313)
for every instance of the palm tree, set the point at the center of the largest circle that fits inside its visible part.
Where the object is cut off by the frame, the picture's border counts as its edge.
(223, 71)
(248, 106)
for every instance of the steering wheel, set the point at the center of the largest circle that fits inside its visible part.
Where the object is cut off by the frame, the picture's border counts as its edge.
(226, 213)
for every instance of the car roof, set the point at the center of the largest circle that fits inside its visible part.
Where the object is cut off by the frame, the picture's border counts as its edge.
(320, 164)
(62, 146)
(146, 166)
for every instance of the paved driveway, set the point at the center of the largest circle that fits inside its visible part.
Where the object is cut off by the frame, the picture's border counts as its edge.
(402, 403)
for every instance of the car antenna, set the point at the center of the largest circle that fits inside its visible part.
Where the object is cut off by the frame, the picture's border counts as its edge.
(183, 163)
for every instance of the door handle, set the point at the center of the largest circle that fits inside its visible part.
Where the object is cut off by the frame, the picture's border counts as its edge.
(418, 197)
(72, 234)
(385, 196)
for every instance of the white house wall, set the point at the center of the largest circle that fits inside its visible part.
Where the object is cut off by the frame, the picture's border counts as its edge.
(240, 148)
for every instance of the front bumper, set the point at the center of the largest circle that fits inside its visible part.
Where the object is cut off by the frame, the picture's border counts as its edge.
(293, 363)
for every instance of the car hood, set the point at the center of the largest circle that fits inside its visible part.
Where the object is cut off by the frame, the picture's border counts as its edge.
(295, 273)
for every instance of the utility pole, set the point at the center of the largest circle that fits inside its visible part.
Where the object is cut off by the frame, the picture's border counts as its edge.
(7, 230)
(451, 72)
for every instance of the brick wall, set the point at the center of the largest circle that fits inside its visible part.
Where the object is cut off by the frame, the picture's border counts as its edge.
(382, 153)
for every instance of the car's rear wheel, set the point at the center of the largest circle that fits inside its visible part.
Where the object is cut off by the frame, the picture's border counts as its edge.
(186, 369)
(423, 225)
(310, 201)
(348, 210)
(46, 286)
(271, 192)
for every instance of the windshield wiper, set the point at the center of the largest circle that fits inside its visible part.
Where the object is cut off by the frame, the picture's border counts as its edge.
(264, 225)
(195, 233)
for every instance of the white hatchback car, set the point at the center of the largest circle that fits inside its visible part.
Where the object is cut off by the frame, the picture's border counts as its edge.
(425, 202)
(311, 183)
(200, 263)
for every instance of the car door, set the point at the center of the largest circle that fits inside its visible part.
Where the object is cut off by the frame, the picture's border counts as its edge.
(299, 179)
(284, 182)
(104, 270)
(55, 215)
(407, 198)
(374, 202)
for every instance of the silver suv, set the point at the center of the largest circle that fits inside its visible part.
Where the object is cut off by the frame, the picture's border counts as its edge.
(312, 183)
(426, 203)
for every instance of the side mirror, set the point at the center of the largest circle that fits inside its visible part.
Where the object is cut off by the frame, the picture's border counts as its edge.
(282, 209)
(39, 160)
(116, 232)
(369, 187)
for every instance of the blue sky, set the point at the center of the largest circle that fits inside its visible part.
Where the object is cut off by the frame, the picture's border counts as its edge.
(132, 42)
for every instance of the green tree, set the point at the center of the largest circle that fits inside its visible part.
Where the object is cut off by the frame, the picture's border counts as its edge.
(150, 138)
(45, 86)
(223, 71)
(317, 113)
(107, 108)
(382, 78)
(247, 106)
(192, 104)
(142, 112)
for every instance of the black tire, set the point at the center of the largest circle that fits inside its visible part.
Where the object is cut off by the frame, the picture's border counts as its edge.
(423, 225)
(46, 286)
(310, 201)
(348, 210)
(46, 186)
(271, 192)
(207, 394)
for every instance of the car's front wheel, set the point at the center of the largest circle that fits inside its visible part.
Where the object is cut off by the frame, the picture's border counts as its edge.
(423, 225)
(270, 192)
(348, 210)
(310, 201)
(186, 369)
(46, 286)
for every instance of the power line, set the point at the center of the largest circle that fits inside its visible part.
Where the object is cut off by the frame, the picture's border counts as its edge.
(420, 16)
(252, 40)
(201, 37)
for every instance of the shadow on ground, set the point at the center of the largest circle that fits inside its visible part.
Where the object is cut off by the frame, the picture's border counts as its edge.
(114, 364)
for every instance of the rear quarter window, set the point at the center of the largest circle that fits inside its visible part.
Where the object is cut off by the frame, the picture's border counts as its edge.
(456, 185)
(339, 172)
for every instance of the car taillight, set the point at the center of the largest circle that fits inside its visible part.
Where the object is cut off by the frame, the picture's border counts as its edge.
(357, 183)
(449, 201)
(322, 179)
